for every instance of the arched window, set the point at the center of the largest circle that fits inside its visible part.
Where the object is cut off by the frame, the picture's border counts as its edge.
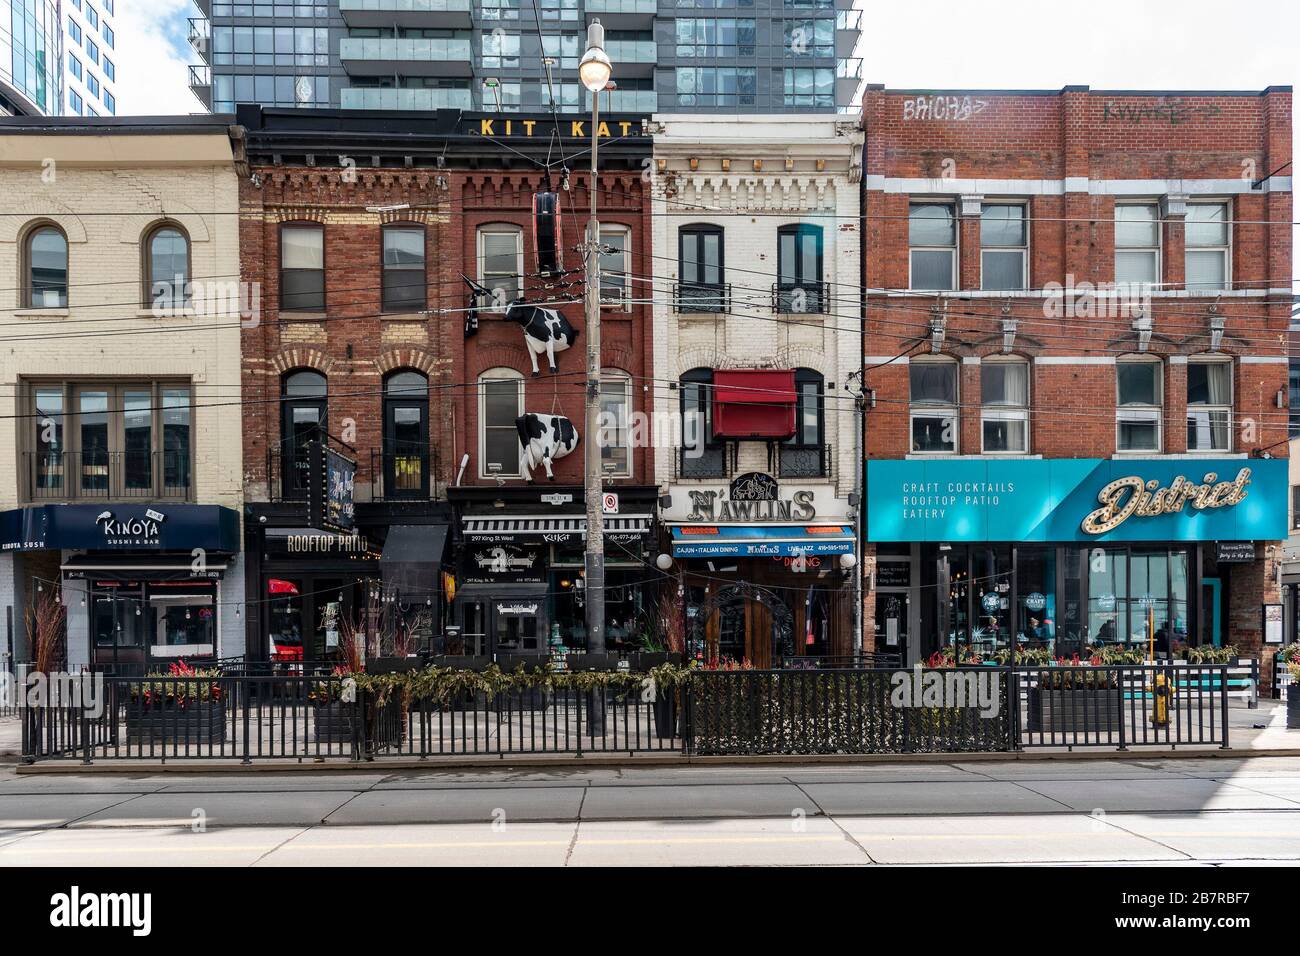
(1004, 401)
(406, 435)
(46, 268)
(500, 402)
(615, 423)
(1139, 401)
(403, 268)
(803, 455)
(304, 420)
(933, 385)
(700, 456)
(167, 267)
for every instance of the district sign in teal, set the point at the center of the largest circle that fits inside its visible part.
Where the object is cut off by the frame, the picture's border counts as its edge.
(1077, 499)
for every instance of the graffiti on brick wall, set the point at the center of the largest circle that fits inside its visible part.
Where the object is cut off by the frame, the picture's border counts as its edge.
(948, 108)
(1173, 112)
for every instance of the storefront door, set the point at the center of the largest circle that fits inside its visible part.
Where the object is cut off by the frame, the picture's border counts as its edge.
(307, 617)
(740, 622)
(893, 610)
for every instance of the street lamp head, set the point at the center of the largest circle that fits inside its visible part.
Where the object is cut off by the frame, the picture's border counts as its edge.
(594, 70)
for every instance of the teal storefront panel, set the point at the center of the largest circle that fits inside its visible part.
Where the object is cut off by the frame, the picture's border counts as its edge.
(1048, 500)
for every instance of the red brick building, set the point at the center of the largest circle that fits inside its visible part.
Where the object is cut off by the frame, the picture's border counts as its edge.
(1065, 289)
(519, 535)
(359, 230)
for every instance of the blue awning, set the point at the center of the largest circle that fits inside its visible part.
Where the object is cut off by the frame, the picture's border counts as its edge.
(706, 541)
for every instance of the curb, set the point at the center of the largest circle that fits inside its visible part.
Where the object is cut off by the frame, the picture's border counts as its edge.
(572, 761)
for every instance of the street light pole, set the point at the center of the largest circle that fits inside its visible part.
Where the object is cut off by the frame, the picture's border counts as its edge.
(594, 71)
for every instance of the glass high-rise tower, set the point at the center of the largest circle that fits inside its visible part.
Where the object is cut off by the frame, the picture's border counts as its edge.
(30, 43)
(752, 56)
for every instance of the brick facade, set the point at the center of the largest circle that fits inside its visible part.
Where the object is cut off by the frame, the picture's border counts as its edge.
(1070, 156)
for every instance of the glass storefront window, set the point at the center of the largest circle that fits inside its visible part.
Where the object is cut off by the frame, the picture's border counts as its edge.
(1107, 596)
(185, 620)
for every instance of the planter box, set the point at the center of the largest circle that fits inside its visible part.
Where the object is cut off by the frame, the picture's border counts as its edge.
(200, 722)
(1084, 710)
(336, 722)
(393, 665)
(1293, 711)
(665, 710)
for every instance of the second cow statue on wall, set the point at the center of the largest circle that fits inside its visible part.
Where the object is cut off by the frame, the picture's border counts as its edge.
(545, 330)
(542, 440)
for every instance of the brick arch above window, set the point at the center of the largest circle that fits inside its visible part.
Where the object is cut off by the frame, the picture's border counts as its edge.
(28, 215)
(314, 214)
(290, 359)
(136, 228)
(394, 359)
(505, 356)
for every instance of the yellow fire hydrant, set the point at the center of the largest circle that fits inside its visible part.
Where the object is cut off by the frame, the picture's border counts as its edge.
(1162, 690)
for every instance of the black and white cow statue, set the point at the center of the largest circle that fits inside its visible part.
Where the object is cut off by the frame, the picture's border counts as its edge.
(545, 330)
(542, 440)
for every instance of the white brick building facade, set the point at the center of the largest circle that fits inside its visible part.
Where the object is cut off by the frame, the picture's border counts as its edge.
(748, 180)
(108, 190)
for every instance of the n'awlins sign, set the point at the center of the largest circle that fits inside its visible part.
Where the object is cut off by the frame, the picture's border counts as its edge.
(1078, 499)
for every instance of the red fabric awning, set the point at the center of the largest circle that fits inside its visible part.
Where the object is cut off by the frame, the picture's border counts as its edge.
(753, 403)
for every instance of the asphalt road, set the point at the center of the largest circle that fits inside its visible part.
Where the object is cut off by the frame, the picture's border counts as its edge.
(1183, 811)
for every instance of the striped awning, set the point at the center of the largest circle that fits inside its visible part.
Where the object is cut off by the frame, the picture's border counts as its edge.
(545, 526)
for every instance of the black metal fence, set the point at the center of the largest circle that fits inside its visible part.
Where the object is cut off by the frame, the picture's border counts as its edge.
(849, 709)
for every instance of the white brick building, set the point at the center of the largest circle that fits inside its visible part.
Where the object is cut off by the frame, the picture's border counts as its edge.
(757, 334)
(120, 385)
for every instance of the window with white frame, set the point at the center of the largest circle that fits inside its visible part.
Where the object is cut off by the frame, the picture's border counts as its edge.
(616, 243)
(1137, 243)
(932, 237)
(500, 402)
(501, 263)
(1139, 402)
(615, 424)
(1209, 405)
(1004, 247)
(1208, 244)
(933, 408)
(1004, 400)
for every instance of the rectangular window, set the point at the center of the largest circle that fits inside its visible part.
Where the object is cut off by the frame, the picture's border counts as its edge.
(1209, 406)
(799, 286)
(1004, 388)
(302, 268)
(501, 263)
(933, 406)
(932, 237)
(810, 37)
(1295, 506)
(615, 431)
(110, 70)
(1140, 400)
(108, 36)
(1137, 244)
(404, 269)
(74, 30)
(1004, 247)
(74, 102)
(807, 87)
(700, 269)
(725, 87)
(74, 66)
(110, 102)
(500, 50)
(501, 396)
(92, 17)
(92, 50)
(711, 38)
(1208, 239)
(615, 284)
(92, 84)
(118, 441)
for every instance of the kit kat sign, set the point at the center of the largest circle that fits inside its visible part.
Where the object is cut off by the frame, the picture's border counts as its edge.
(1077, 499)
